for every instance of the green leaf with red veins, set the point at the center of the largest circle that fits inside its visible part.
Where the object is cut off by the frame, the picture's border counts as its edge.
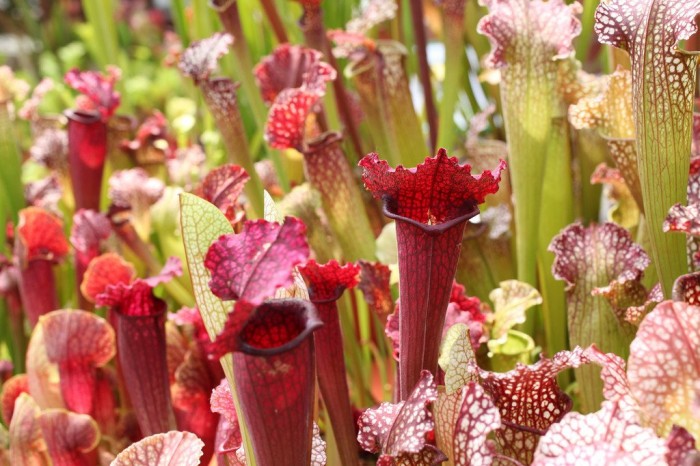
(168, 449)
(253, 264)
(530, 401)
(612, 435)
(478, 417)
(455, 357)
(663, 83)
(202, 223)
(457, 360)
(398, 431)
(664, 366)
(446, 410)
(526, 37)
(589, 259)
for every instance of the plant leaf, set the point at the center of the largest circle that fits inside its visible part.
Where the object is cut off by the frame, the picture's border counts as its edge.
(328, 281)
(398, 430)
(26, 442)
(167, 449)
(70, 437)
(441, 176)
(477, 418)
(287, 67)
(456, 356)
(376, 287)
(511, 300)
(223, 185)
(78, 342)
(663, 83)
(41, 234)
(612, 435)
(589, 259)
(253, 264)
(201, 58)
(108, 269)
(97, 89)
(202, 224)
(530, 401)
(664, 366)
(12, 388)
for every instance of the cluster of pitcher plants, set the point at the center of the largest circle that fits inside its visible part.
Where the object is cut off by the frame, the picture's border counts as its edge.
(282, 233)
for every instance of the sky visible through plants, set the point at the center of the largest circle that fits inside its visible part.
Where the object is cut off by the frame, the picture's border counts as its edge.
(368, 232)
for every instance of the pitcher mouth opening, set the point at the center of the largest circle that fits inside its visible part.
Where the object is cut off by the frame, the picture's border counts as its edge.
(470, 210)
(277, 326)
(84, 117)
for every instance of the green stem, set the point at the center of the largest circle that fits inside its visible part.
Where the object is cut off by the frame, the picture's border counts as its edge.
(11, 174)
(454, 57)
(591, 150)
(352, 352)
(365, 329)
(178, 13)
(584, 42)
(100, 15)
(528, 113)
(558, 202)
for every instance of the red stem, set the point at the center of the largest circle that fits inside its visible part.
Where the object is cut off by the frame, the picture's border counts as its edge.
(142, 359)
(417, 15)
(275, 21)
(315, 36)
(333, 382)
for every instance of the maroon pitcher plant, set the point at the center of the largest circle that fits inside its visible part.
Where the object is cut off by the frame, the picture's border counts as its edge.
(87, 133)
(273, 354)
(431, 205)
(326, 284)
(139, 322)
(274, 366)
(39, 245)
